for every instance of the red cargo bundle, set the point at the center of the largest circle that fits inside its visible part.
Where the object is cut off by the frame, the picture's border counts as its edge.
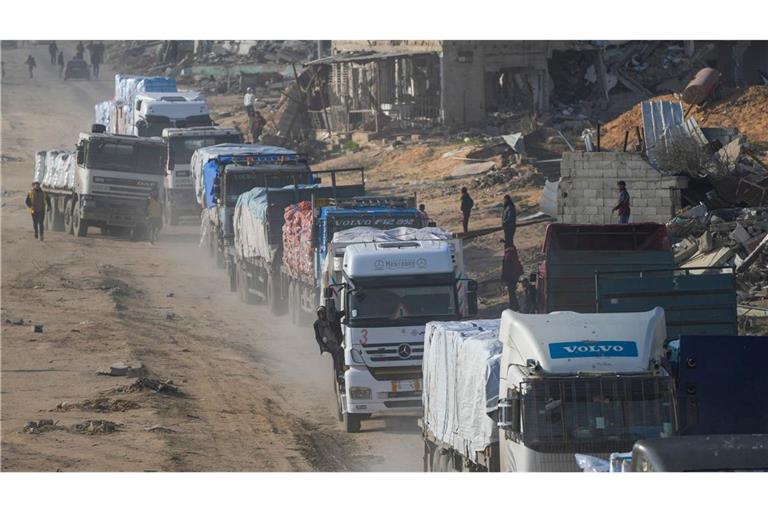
(297, 239)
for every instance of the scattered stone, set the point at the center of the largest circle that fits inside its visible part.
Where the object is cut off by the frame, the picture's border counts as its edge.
(124, 369)
(37, 328)
(99, 405)
(170, 294)
(96, 427)
(161, 429)
(170, 316)
(142, 383)
(40, 426)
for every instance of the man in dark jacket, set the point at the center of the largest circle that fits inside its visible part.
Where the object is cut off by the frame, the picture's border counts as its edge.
(328, 336)
(509, 220)
(37, 201)
(466, 208)
(622, 208)
(31, 64)
(511, 270)
(53, 51)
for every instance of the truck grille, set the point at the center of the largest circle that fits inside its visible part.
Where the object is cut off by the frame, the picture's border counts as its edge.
(399, 351)
(396, 373)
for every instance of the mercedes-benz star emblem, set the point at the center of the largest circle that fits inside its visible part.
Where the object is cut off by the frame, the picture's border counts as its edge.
(404, 351)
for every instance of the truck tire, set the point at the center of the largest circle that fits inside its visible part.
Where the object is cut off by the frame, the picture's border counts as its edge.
(68, 216)
(79, 226)
(50, 217)
(220, 263)
(352, 422)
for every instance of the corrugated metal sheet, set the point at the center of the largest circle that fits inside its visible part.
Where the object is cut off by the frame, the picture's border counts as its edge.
(663, 122)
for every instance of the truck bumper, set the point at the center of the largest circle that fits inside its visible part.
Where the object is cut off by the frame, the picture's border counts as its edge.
(366, 395)
(112, 212)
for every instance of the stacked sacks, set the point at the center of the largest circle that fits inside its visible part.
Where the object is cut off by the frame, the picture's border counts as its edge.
(297, 239)
(59, 170)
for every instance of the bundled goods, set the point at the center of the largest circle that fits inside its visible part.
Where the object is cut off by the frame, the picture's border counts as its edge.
(297, 239)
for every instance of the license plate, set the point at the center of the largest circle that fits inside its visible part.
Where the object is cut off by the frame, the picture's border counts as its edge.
(406, 385)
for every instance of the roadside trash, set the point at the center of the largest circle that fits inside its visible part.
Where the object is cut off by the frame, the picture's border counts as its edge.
(141, 383)
(37, 328)
(96, 427)
(124, 369)
(40, 426)
(161, 429)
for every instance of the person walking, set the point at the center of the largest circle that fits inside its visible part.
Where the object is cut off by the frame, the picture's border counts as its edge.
(37, 201)
(511, 270)
(154, 216)
(622, 208)
(328, 338)
(31, 64)
(60, 60)
(467, 203)
(53, 51)
(509, 220)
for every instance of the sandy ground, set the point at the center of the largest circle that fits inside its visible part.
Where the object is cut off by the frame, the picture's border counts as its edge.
(255, 394)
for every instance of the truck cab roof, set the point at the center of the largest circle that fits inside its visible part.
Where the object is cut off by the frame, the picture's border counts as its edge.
(199, 131)
(371, 259)
(565, 342)
(125, 139)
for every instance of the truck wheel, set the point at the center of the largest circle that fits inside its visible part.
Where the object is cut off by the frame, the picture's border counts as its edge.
(79, 226)
(352, 423)
(219, 259)
(68, 217)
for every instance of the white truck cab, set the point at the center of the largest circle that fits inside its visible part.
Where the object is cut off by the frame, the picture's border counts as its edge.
(155, 111)
(389, 291)
(580, 383)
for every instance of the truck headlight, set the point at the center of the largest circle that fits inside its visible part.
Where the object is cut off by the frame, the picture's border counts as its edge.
(357, 356)
(358, 393)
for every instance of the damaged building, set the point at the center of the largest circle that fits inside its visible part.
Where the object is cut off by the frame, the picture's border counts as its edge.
(374, 85)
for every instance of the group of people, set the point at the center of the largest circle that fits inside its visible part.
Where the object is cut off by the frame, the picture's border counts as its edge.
(95, 51)
(256, 121)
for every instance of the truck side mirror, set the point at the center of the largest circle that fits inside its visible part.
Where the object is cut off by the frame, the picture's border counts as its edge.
(509, 414)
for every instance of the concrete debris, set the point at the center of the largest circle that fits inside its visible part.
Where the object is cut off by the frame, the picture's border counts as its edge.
(37, 328)
(472, 169)
(160, 429)
(99, 405)
(124, 369)
(159, 386)
(40, 426)
(92, 427)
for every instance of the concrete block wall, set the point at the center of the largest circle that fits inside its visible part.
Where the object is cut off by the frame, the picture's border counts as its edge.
(588, 190)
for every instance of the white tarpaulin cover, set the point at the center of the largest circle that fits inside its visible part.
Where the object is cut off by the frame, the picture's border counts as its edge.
(59, 169)
(251, 229)
(367, 234)
(461, 383)
(201, 156)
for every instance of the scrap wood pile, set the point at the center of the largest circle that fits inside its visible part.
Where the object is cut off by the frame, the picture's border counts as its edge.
(297, 239)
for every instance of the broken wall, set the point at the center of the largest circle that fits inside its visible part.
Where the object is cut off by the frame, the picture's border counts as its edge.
(588, 190)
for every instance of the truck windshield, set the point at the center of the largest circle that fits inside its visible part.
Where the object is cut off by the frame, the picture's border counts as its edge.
(123, 157)
(595, 414)
(181, 148)
(402, 305)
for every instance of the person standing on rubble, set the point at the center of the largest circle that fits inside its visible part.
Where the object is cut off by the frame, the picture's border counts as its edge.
(257, 126)
(248, 100)
(509, 220)
(511, 270)
(31, 64)
(622, 208)
(37, 201)
(467, 203)
(328, 337)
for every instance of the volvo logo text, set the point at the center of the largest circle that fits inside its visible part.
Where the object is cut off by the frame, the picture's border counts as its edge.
(404, 351)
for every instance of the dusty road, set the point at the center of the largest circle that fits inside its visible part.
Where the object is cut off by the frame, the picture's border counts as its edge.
(255, 394)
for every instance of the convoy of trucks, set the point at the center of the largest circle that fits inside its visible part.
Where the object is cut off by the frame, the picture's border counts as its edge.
(620, 348)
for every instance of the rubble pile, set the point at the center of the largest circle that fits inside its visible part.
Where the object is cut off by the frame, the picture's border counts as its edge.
(736, 237)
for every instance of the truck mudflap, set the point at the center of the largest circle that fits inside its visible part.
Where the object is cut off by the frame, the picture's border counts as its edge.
(695, 300)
